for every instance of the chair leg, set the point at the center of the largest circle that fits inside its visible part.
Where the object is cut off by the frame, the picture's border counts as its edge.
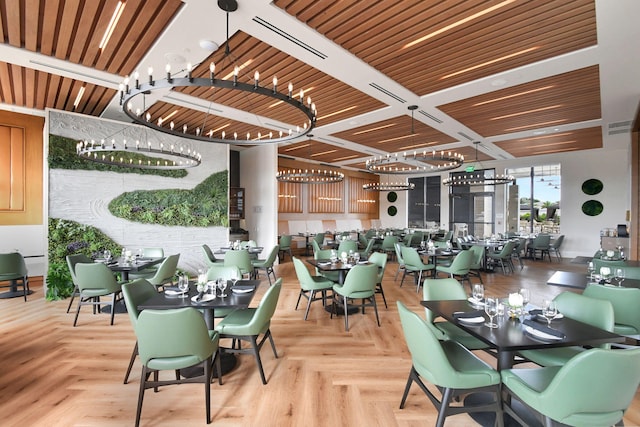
(73, 296)
(207, 388)
(256, 354)
(143, 379)
(113, 307)
(375, 308)
(134, 353)
(444, 405)
(310, 297)
(299, 296)
(273, 344)
(379, 288)
(77, 310)
(346, 314)
(407, 387)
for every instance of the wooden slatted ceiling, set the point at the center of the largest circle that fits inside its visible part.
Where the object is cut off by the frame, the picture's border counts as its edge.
(562, 99)
(319, 151)
(34, 89)
(514, 34)
(334, 99)
(72, 29)
(581, 139)
(395, 135)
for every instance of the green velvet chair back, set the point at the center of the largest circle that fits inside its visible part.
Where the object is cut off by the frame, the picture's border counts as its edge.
(240, 259)
(135, 293)
(363, 240)
(307, 283)
(398, 248)
(507, 249)
(379, 259)
(285, 242)
(173, 339)
(96, 276)
(360, 282)
(478, 257)
(388, 243)
(262, 315)
(595, 312)
(166, 271)
(368, 249)
(74, 259)
(626, 306)
(461, 263)
(347, 246)
(593, 388)
(411, 257)
(271, 258)
(323, 254)
(541, 241)
(319, 239)
(209, 257)
(12, 266)
(316, 247)
(441, 290)
(557, 242)
(223, 271)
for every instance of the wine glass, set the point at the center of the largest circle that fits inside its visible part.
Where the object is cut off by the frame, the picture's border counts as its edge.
(183, 286)
(620, 274)
(526, 297)
(478, 292)
(223, 285)
(549, 310)
(491, 308)
(591, 269)
(107, 255)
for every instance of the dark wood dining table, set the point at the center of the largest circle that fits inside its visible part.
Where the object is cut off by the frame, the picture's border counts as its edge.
(571, 279)
(233, 300)
(327, 266)
(510, 337)
(138, 263)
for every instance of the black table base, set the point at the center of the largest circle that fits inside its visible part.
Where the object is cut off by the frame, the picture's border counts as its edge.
(120, 308)
(351, 309)
(487, 419)
(14, 294)
(228, 363)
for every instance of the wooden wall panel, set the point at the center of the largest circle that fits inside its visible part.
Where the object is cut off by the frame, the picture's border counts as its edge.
(326, 198)
(289, 197)
(361, 201)
(21, 169)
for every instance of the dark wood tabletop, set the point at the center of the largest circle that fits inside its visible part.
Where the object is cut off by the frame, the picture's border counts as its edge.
(570, 279)
(139, 263)
(327, 265)
(509, 337)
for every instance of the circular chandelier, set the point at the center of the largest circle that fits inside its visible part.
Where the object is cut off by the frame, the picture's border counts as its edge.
(136, 156)
(306, 176)
(388, 186)
(129, 92)
(438, 161)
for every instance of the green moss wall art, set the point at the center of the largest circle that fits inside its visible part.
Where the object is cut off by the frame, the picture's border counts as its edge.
(592, 208)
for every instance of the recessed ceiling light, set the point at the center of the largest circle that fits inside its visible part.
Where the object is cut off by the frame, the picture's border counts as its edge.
(209, 45)
(175, 58)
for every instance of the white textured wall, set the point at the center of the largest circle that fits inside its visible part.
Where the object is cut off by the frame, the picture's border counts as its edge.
(84, 196)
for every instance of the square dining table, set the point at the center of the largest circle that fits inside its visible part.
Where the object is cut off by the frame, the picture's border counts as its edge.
(572, 279)
(137, 264)
(510, 337)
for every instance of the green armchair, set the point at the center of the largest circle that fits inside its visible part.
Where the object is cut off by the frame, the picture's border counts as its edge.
(625, 303)
(360, 284)
(96, 280)
(310, 285)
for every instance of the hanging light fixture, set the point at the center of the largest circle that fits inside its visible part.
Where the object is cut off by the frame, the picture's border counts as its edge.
(132, 88)
(389, 186)
(436, 161)
(476, 176)
(309, 176)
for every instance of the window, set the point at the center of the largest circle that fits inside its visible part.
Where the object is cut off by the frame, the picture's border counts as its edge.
(538, 194)
(424, 202)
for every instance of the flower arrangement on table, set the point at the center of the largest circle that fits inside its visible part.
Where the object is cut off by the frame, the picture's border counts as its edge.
(515, 304)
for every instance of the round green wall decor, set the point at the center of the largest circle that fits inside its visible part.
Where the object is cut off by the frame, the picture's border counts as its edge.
(392, 210)
(592, 208)
(392, 196)
(592, 186)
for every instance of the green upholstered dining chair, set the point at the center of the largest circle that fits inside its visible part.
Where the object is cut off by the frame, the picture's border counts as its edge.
(625, 303)
(612, 264)
(477, 262)
(13, 269)
(388, 245)
(135, 293)
(595, 312)
(72, 260)
(450, 367)
(227, 272)
(319, 239)
(518, 249)
(151, 270)
(240, 259)
(366, 252)
(173, 340)
(249, 324)
(166, 271)
(347, 246)
(459, 267)
(380, 259)
(363, 242)
(540, 243)
(360, 284)
(503, 256)
(554, 247)
(266, 264)
(285, 246)
(96, 280)
(398, 247)
(444, 290)
(592, 389)
(310, 285)
(209, 257)
(413, 265)
(334, 276)
(315, 246)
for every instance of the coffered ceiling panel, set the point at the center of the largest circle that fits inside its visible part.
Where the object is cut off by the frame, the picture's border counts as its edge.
(581, 139)
(319, 152)
(558, 100)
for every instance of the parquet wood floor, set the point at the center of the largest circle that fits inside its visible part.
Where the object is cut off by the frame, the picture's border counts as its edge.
(52, 374)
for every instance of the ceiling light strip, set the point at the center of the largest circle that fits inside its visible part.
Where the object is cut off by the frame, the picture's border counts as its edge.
(289, 37)
(387, 92)
(117, 13)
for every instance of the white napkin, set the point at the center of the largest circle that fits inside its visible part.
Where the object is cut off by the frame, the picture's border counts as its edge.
(540, 334)
(173, 292)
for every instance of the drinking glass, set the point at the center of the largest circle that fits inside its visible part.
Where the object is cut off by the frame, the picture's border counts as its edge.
(223, 286)
(478, 292)
(356, 257)
(491, 308)
(526, 297)
(591, 269)
(107, 255)
(620, 274)
(183, 286)
(549, 310)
